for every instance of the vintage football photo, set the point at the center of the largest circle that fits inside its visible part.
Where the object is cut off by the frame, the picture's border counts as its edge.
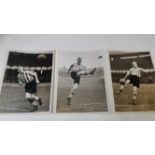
(27, 82)
(133, 79)
(81, 83)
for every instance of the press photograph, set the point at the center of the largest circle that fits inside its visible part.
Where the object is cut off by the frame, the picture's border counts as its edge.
(81, 84)
(133, 79)
(27, 82)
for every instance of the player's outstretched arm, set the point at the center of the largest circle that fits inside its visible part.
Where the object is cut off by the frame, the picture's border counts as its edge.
(34, 74)
(20, 82)
(127, 74)
(36, 78)
(147, 70)
(70, 69)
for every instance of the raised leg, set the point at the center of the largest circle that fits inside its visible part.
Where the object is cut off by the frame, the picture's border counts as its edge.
(122, 87)
(86, 72)
(34, 100)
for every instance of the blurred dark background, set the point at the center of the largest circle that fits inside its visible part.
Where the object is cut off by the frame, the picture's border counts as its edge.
(40, 63)
(122, 62)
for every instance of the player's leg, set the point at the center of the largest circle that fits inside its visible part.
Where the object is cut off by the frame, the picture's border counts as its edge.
(31, 89)
(35, 106)
(29, 96)
(72, 92)
(134, 94)
(122, 86)
(92, 71)
(127, 82)
(86, 72)
(33, 97)
(33, 101)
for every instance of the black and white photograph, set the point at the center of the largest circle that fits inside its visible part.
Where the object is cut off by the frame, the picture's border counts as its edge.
(133, 80)
(81, 84)
(27, 82)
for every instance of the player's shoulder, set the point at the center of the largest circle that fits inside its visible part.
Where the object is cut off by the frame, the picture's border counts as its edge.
(19, 75)
(74, 64)
(29, 72)
(26, 71)
(131, 68)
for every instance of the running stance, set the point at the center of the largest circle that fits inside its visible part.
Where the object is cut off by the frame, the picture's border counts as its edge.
(75, 71)
(132, 77)
(30, 80)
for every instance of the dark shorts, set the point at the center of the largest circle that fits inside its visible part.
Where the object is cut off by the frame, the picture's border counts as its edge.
(31, 87)
(75, 77)
(135, 80)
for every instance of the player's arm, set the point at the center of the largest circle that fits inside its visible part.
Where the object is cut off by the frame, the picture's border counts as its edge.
(20, 82)
(127, 74)
(34, 74)
(70, 68)
(84, 68)
(147, 70)
(36, 78)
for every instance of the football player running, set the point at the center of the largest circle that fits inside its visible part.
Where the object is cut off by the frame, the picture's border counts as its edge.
(30, 80)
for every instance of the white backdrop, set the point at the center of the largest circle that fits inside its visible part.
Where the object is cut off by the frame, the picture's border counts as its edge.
(75, 43)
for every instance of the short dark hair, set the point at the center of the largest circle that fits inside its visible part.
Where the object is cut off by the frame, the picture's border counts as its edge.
(134, 62)
(79, 58)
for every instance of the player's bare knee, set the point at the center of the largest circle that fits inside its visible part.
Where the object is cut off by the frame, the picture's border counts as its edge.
(75, 86)
(134, 93)
(134, 98)
(28, 96)
(122, 87)
(127, 82)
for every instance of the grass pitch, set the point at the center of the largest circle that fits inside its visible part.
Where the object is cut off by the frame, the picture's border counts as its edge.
(145, 98)
(90, 96)
(12, 98)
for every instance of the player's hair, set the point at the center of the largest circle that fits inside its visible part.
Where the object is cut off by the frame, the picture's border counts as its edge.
(79, 58)
(134, 62)
(20, 68)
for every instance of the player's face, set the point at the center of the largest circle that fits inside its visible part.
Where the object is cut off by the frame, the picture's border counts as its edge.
(20, 70)
(134, 64)
(79, 60)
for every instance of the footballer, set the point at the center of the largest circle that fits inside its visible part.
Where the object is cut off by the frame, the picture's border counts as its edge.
(30, 80)
(132, 77)
(75, 71)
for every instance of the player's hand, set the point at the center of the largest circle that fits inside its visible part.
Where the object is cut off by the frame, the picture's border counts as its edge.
(153, 70)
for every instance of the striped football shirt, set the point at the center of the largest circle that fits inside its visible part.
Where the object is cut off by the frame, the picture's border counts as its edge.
(136, 71)
(26, 77)
(76, 67)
